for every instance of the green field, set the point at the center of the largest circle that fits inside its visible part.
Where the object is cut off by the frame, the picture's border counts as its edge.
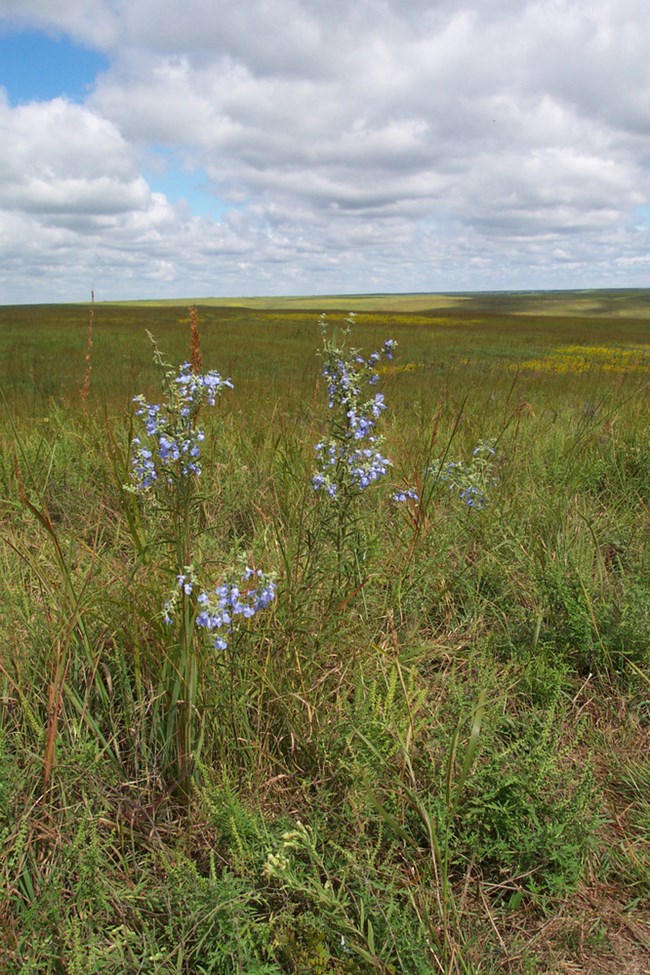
(430, 752)
(612, 304)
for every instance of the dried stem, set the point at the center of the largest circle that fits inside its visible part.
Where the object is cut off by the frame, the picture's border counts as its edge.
(196, 357)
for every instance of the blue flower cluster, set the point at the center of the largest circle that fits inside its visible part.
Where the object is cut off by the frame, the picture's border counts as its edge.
(172, 442)
(220, 607)
(362, 467)
(473, 479)
(342, 460)
(473, 496)
(407, 494)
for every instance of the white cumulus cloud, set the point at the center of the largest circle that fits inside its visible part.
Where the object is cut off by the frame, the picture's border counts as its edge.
(380, 145)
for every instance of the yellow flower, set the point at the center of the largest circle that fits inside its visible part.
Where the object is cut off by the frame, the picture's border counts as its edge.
(578, 359)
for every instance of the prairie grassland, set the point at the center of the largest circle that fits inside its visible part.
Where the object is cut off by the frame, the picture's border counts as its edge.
(590, 303)
(429, 753)
(317, 303)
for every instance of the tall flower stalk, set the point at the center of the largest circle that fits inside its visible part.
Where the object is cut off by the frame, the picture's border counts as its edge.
(349, 455)
(166, 467)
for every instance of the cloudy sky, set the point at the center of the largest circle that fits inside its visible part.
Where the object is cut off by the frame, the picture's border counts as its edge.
(187, 148)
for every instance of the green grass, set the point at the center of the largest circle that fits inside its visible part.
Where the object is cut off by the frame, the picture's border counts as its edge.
(429, 755)
(614, 303)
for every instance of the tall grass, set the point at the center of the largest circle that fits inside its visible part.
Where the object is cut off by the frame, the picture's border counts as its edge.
(402, 764)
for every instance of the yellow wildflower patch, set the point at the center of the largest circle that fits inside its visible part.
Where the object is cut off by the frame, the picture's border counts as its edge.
(592, 358)
(391, 368)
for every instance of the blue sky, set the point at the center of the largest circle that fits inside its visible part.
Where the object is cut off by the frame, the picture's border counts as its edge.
(35, 66)
(385, 145)
(643, 213)
(166, 173)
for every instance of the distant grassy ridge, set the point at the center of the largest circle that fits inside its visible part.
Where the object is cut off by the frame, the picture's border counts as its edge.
(632, 303)
(318, 303)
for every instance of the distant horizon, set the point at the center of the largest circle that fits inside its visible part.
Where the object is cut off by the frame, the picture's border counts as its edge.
(296, 296)
(338, 301)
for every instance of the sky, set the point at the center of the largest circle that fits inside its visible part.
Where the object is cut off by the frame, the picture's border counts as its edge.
(196, 148)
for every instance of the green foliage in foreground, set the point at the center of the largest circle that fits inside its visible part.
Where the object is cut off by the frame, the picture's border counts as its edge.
(433, 741)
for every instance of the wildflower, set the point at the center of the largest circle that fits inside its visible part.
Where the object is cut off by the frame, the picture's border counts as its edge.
(401, 496)
(473, 497)
(350, 457)
(470, 480)
(185, 584)
(366, 466)
(172, 448)
(144, 467)
(228, 601)
(220, 607)
(378, 405)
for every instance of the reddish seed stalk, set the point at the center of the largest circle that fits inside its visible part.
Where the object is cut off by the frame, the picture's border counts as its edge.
(196, 356)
